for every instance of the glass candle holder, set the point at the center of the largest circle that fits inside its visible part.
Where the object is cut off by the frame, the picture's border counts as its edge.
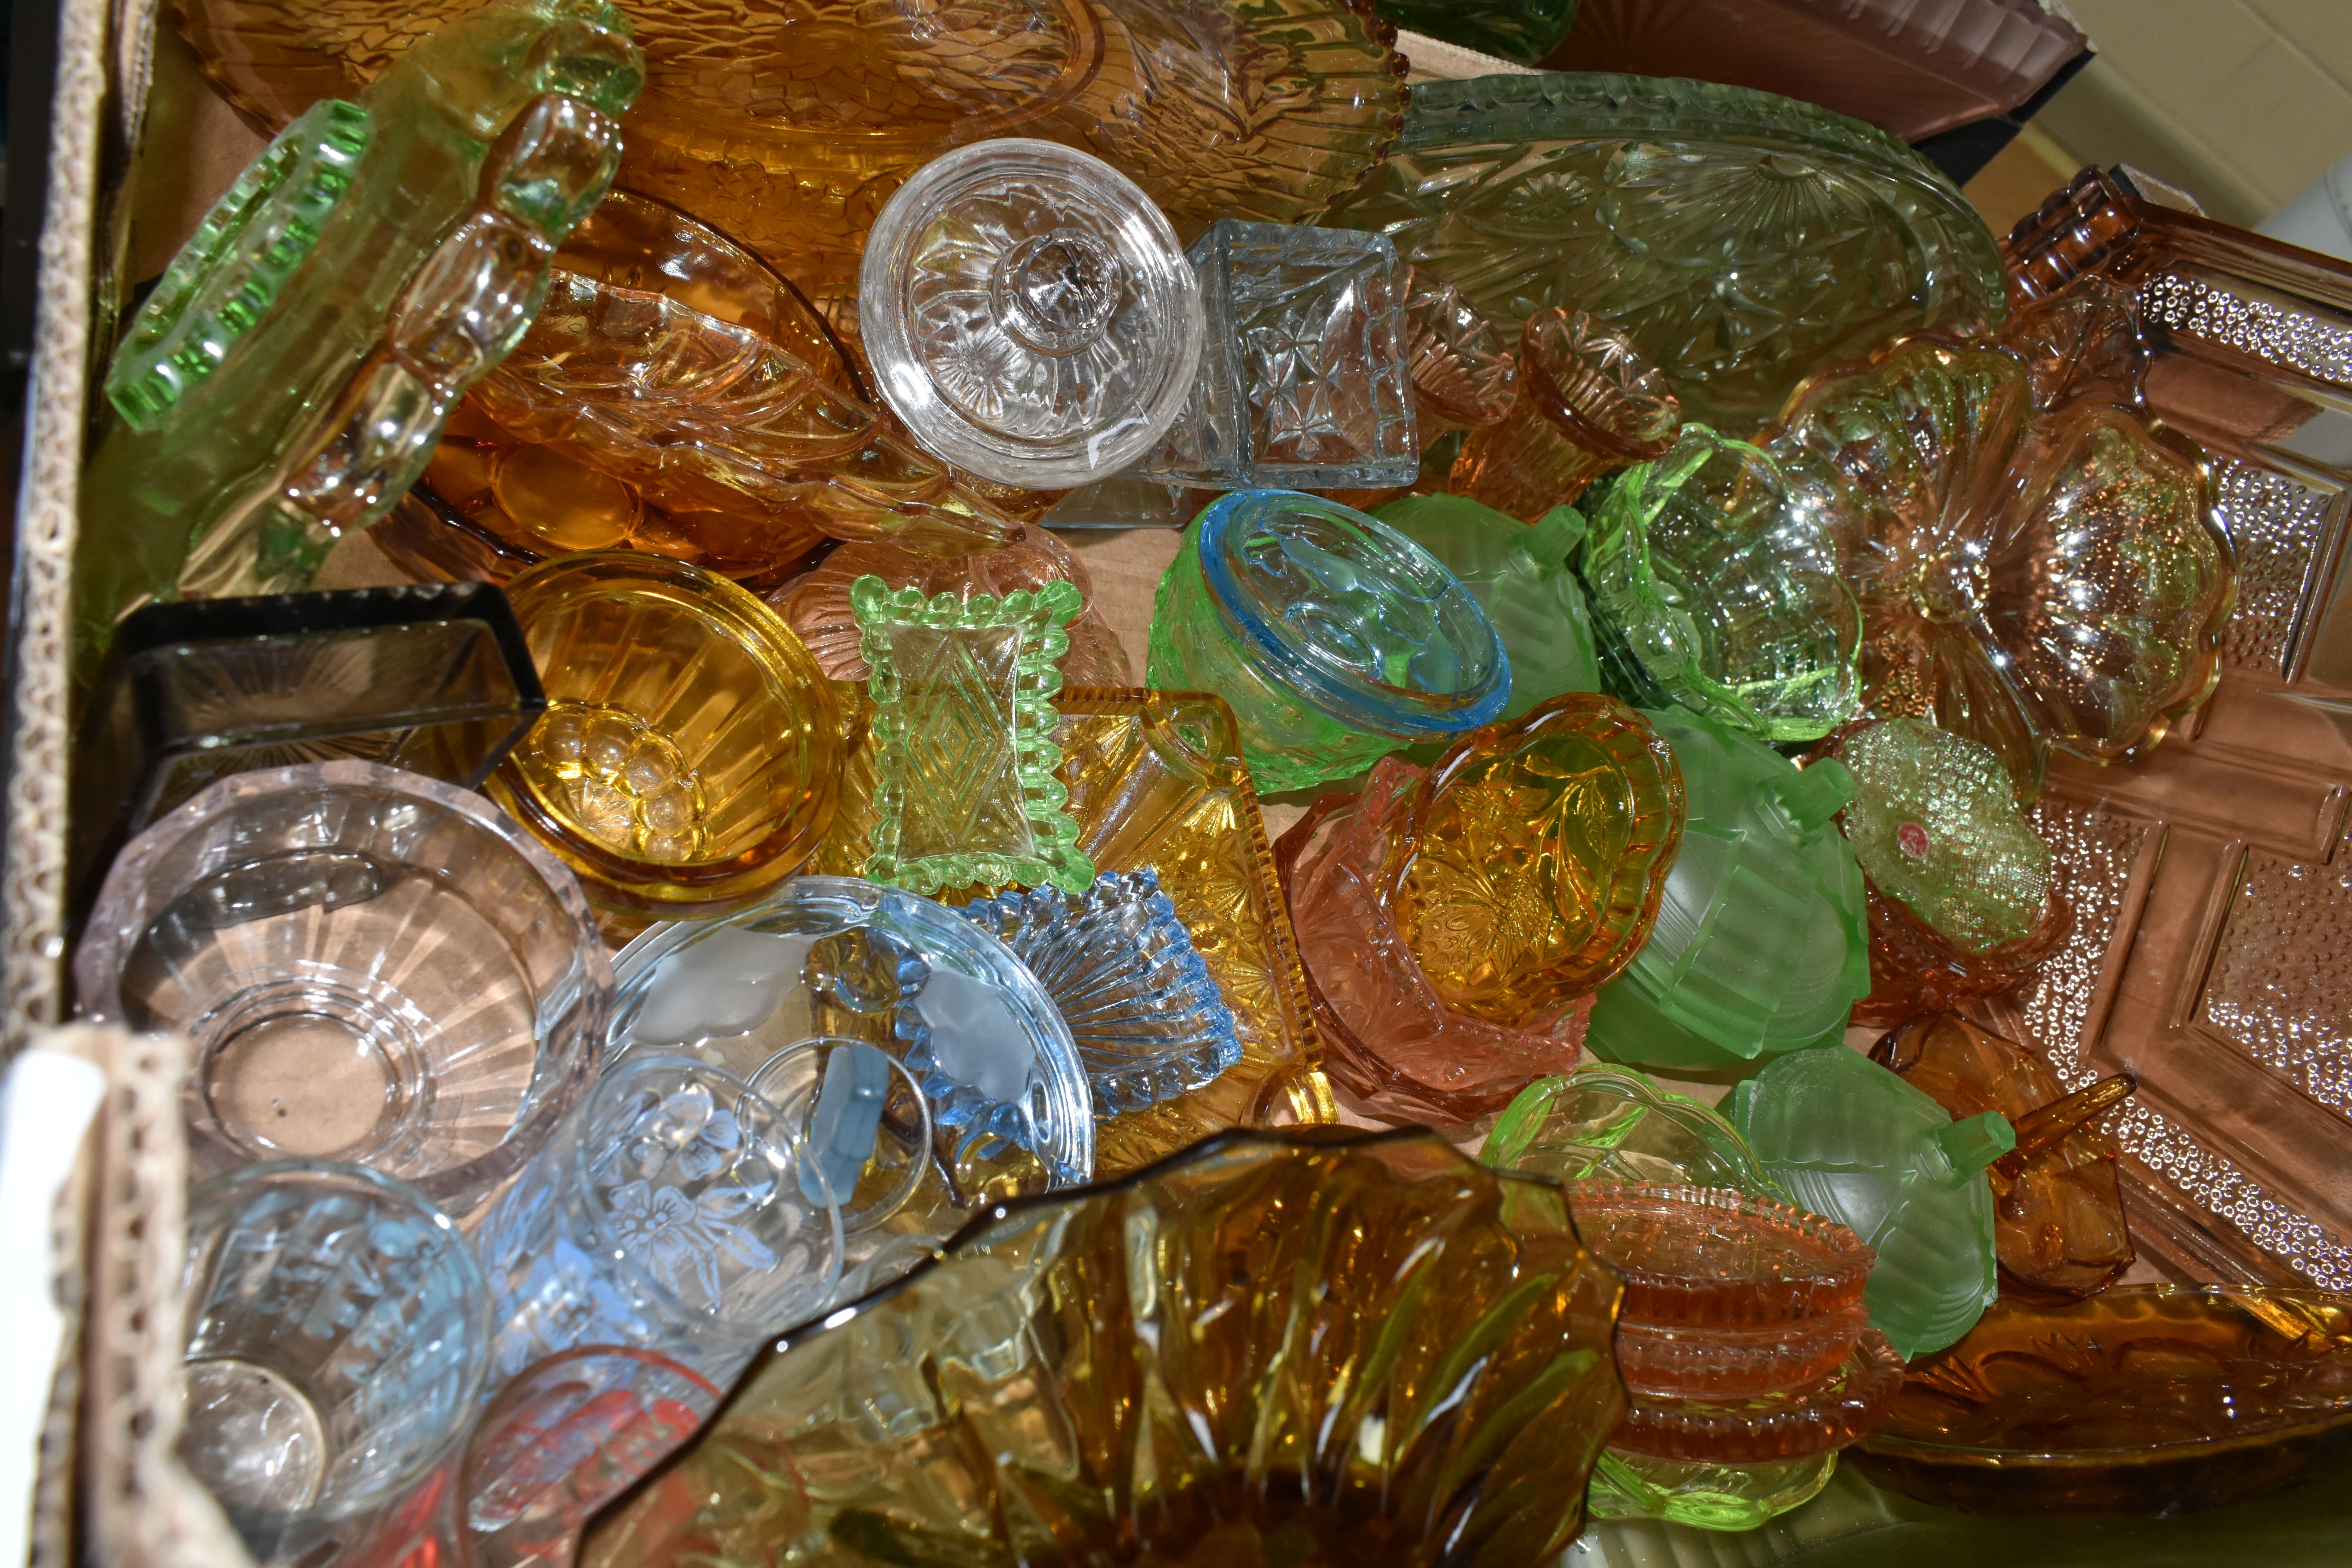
(371, 967)
(673, 1213)
(337, 1339)
(922, 1068)
(690, 757)
(1589, 403)
(1334, 638)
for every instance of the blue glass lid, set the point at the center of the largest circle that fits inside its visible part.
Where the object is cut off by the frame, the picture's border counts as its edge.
(1352, 617)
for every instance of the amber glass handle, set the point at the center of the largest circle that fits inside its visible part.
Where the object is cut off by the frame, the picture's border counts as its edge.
(2041, 1131)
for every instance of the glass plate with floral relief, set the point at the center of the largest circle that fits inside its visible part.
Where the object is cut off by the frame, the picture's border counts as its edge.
(1632, 197)
(1156, 779)
(1326, 1354)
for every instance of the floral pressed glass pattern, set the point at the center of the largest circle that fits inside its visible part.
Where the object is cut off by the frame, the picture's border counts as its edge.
(1710, 588)
(1631, 198)
(1528, 868)
(1368, 1351)
(1305, 378)
(963, 693)
(920, 1068)
(1850, 1141)
(1390, 1039)
(1137, 995)
(791, 129)
(1156, 779)
(2058, 1215)
(1336, 639)
(2145, 1399)
(283, 383)
(371, 967)
(1587, 402)
(817, 606)
(691, 755)
(1029, 313)
(2038, 566)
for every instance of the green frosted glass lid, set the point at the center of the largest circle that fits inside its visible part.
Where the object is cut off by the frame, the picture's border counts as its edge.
(1351, 614)
(1519, 576)
(224, 279)
(1935, 823)
(1852, 1142)
(1761, 944)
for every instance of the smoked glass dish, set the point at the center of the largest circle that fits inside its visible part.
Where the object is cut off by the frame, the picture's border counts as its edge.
(433, 681)
(2149, 1399)
(921, 1068)
(690, 756)
(1631, 198)
(371, 966)
(335, 1346)
(1335, 639)
(1029, 313)
(1260, 1348)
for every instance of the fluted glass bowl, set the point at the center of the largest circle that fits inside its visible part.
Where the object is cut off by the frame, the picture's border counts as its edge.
(371, 967)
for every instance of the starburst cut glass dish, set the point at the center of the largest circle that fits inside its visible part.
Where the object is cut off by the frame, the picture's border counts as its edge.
(1147, 1020)
(1632, 198)
(789, 127)
(1710, 589)
(963, 721)
(282, 385)
(2039, 567)
(1305, 380)
(1311, 1352)
(1156, 779)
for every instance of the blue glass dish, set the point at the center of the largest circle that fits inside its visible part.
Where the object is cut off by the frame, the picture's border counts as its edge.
(1149, 1021)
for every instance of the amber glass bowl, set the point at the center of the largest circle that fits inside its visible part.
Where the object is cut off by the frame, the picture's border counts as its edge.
(2155, 1399)
(691, 753)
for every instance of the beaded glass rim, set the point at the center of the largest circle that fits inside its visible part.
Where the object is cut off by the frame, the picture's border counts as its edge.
(1040, 618)
(231, 272)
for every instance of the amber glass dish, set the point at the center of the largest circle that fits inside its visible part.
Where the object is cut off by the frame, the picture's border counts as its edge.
(690, 757)
(1827, 1414)
(2145, 1399)
(1710, 1255)
(1677, 1361)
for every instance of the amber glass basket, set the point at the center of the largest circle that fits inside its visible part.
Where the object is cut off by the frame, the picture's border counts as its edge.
(691, 753)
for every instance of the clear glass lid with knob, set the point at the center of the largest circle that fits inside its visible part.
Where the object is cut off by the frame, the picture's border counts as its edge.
(1029, 313)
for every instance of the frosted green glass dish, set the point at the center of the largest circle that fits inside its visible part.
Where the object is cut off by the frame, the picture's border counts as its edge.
(1708, 588)
(1635, 199)
(963, 721)
(1519, 576)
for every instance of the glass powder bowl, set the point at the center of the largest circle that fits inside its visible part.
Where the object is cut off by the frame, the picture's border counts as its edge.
(1335, 639)
(918, 1063)
(690, 757)
(1759, 945)
(1029, 313)
(2157, 1399)
(371, 967)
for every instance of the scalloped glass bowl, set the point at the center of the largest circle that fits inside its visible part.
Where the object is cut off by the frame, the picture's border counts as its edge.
(371, 967)
(916, 1059)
